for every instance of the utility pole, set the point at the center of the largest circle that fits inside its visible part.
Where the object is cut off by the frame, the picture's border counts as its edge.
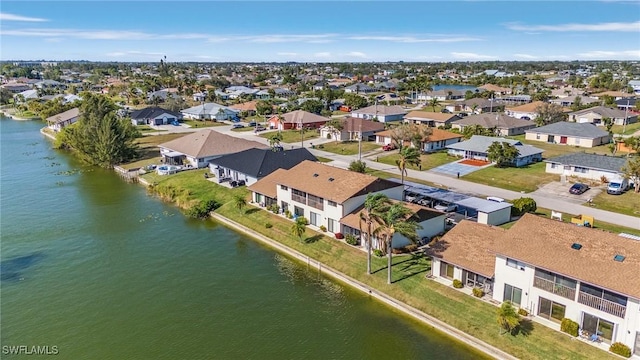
(360, 142)
(624, 122)
(301, 134)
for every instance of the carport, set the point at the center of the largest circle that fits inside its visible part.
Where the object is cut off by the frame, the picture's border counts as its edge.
(486, 211)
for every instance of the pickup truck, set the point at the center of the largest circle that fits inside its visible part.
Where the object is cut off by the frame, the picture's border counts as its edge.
(389, 147)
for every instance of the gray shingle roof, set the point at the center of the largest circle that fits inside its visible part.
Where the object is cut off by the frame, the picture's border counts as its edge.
(259, 163)
(479, 143)
(499, 120)
(602, 111)
(591, 161)
(581, 130)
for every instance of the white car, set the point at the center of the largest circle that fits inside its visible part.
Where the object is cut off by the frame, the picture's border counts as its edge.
(446, 207)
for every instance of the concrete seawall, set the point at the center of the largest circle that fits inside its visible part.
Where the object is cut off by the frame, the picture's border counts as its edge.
(411, 311)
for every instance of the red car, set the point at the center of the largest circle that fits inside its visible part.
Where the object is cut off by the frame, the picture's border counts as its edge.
(389, 147)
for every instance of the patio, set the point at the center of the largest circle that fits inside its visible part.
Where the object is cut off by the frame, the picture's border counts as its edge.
(459, 168)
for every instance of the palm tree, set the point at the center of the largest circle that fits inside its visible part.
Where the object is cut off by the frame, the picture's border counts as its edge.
(299, 227)
(374, 206)
(434, 102)
(397, 219)
(274, 140)
(508, 318)
(240, 201)
(408, 156)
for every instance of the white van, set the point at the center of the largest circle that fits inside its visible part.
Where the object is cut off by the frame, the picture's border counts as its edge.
(495, 199)
(617, 186)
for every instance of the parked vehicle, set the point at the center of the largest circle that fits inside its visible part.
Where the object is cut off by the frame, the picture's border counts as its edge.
(260, 128)
(389, 147)
(175, 123)
(578, 188)
(617, 186)
(253, 123)
(446, 207)
(345, 108)
(237, 126)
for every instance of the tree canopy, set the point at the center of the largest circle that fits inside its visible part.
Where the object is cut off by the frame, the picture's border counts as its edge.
(549, 114)
(502, 153)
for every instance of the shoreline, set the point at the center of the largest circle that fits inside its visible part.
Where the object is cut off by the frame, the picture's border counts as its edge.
(16, 118)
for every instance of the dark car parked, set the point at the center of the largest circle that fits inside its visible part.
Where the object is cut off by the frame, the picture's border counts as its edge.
(578, 188)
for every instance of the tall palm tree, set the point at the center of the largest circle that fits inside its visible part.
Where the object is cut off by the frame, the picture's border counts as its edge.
(408, 156)
(240, 201)
(434, 102)
(397, 219)
(299, 227)
(374, 206)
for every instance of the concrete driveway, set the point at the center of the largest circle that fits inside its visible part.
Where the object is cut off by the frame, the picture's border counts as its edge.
(560, 190)
(456, 168)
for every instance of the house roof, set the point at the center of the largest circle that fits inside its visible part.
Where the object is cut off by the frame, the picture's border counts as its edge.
(267, 186)
(479, 143)
(428, 115)
(482, 103)
(469, 245)
(64, 116)
(495, 88)
(420, 212)
(298, 116)
(603, 111)
(530, 107)
(209, 142)
(591, 161)
(546, 244)
(152, 112)
(581, 130)
(208, 109)
(315, 178)
(352, 124)
(247, 106)
(612, 93)
(259, 163)
(439, 134)
(381, 110)
(498, 120)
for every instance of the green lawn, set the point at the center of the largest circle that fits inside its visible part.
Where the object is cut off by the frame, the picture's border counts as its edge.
(427, 161)
(201, 123)
(244, 129)
(525, 179)
(293, 136)
(553, 150)
(627, 203)
(26, 114)
(630, 128)
(347, 147)
(147, 128)
(323, 159)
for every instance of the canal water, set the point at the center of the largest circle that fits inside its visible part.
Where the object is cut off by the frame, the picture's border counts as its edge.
(98, 269)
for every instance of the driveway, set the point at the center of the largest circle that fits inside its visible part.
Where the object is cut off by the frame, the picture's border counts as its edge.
(560, 190)
(456, 168)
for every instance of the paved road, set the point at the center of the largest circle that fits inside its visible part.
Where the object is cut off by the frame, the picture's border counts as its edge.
(543, 200)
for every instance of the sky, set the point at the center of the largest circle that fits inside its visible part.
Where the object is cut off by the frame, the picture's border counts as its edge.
(319, 31)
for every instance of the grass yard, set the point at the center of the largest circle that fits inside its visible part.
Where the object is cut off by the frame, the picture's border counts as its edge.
(244, 129)
(627, 203)
(347, 147)
(146, 128)
(149, 152)
(202, 123)
(629, 129)
(524, 179)
(553, 150)
(323, 159)
(293, 136)
(427, 161)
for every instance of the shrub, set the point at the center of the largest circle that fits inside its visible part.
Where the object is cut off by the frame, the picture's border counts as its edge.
(274, 208)
(569, 326)
(620, 349)
(268, 225)
(457, 284)
(287, 213)
(202, 209)
(477, 292)
(523, 205)
(323, 228)
(378, 252)
(523, 312)
(358, 166)
(411, 247)
(350, 239)
(603, 179)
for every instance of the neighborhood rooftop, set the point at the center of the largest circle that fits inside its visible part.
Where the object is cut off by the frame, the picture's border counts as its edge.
(152, 112)
(592, 161)
(62, 117)
(482, 143)
(489, 120)
(581, 130)
(261, 162)
(209, 142)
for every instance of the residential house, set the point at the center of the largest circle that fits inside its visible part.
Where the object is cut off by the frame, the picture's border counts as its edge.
(557, 270)
(26, 95)
(437, 140)
(432, 119)
(504, 125)
(475, 106)
(498, 90)
(154, 116)
(570, 100)
(359, 88)
(627, 104)
(249, 107)
(614, 94)
(50, 84)
(477, 146)
(253, 164)
(444, 95)
(321, 193)
(565, 92)
(16, 87)
(296, 119)
(587, 166)
(353, 129)
(198, 148)
(525, 112)
(595, 115)
(635, 85)
(210, 111)
(431, 223)
(284, 93)
(64, 119)
(569, 133)
(162, 95)
(380, 113)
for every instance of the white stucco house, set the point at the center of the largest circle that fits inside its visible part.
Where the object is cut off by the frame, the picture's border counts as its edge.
(210, 111)
(381, 113)
(477, 147)
(586, 166)
(60, 121)
(569, 133)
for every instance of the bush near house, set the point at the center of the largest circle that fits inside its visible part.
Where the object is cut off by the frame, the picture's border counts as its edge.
(457, 284)
(350, 239)
(477, 292)
(203, 209)
(523, 312)
(378, 252)
(268, 225)
(569, 326)
(522, 206)
(620, 349)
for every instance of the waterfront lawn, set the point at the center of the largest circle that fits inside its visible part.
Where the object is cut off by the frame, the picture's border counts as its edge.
(427, 161)
(526, 178)
(148, 148)
(627, 203)
(293, 136)
(347, 147)
(464, 312)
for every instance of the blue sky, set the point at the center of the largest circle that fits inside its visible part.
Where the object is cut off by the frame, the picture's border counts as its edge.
(319, 31)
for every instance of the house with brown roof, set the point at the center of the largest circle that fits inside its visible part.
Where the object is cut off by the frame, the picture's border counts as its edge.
(321, 193)
(198, 148)
(476, 106)
(64, 119)
(499, 90)
(439, 139)
(353, 129)
(296, 120)
(503, 124)
(433, 119)
(525, 112)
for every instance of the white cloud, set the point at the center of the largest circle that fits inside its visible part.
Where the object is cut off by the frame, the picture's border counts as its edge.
(612, 26)
(471, 56)
(525, 56)
(276, 38)
(13, 17)
(357, 54)
(413, 39)
(609, 55)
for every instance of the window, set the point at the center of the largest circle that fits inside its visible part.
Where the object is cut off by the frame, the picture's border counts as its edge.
(551, 310)
(315, 201)
(332, 203)
(298, 211)
(595, 325)
(332, 226)
(284, 205)
(282, 187)
(446, 270)
(299, 196)
(513, 294)
(315, 219)
(515, 264)
(579, 169)
(537, 136)
(259, 198)
(475, 280)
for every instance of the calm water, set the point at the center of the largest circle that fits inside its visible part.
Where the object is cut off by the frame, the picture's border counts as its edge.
(101, 270)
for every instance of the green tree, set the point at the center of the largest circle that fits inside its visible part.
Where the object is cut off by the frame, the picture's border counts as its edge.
(264, 108)
(358, 166)
(434, 102)
(299, 227)
(375, 204)
(397, 219)
(312, 106)
(502, 153)
(508, 318)
(548, 114)
(608, 124)
(577, 103)
(240, 201)
(523, 205)
(275, 139)
(408, 156)
(335, 127)
(633, 143)
(470, 130)
(100, 137)
(355, 101)
(631, 170)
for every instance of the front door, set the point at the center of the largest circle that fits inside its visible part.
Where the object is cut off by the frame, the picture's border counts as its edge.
(563, 139)
(550, 139)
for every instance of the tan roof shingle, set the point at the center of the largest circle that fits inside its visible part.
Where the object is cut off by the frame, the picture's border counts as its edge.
(209, 142)
(428, 115)
(267, 186)
(64, 116)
